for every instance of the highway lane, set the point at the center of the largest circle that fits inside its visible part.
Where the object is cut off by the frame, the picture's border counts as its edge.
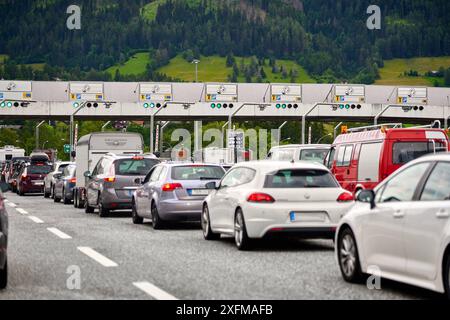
(119, 260)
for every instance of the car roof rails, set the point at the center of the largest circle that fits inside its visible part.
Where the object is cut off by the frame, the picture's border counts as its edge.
(435, 125)
(377, 127)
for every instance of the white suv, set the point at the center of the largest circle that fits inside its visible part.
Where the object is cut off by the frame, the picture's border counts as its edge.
(401, 230)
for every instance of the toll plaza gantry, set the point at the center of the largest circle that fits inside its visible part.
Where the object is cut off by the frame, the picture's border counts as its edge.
(221, 101)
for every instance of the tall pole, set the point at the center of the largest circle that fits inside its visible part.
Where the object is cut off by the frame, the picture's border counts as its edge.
(105, 125)
(72, 128)
(37, 133)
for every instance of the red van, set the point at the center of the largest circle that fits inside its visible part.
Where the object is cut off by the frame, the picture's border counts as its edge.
(363, 157)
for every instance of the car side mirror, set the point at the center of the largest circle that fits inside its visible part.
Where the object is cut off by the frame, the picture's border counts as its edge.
(138, 181)
(366, 196)
(87, 174)
(212, 185)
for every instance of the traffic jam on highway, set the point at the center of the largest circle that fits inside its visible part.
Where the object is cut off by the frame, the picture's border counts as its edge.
(380, 194)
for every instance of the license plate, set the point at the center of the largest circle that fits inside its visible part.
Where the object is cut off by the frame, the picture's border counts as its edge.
(308, 217)
(38, 183)
(199, 192)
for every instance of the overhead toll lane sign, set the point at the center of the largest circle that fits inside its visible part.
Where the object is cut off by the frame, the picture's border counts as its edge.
(412, 95)
(221, 93)
(15, 90)
(86, 91)
(349, 94)
(155, 92)
(286, 93)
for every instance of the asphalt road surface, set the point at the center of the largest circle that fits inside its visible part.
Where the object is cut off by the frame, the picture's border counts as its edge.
(59, 252)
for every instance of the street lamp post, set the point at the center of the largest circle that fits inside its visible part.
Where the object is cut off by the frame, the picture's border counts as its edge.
(196, 62)
(327, 135)
(43, 145)
(37, 133)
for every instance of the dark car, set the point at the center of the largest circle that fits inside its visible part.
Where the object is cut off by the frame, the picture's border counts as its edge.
(64, 184)
(3, 242)
(115, 178)
(31, 178)
(16, 168)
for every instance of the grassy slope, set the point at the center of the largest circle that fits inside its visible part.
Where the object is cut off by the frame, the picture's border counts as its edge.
(214, 69)
(392, 73)
(134, 66)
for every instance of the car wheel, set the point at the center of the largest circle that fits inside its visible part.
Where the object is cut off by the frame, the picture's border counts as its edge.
(52, 191)
(87, 207)
(241, 238)
(157, 223)
(65, 200)
(208, 234)
(4, 276)
(102, 211)
(447, 276)
(348, 257)
(46, 194)
(134, 215)
(75, 199)
(20, 192)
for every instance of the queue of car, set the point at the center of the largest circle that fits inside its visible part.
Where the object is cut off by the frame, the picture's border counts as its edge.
(382, 194)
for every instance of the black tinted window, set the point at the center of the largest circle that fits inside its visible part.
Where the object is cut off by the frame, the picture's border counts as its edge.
(39, 169)
(300, 179)
(197, 173)
(404, 152)
(134, 167)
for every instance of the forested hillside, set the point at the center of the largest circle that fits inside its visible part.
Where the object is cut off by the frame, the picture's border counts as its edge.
(327, 37)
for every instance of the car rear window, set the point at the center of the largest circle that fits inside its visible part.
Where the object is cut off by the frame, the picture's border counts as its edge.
(314, 155)
(404, 152)
(197, 173)
(37, 169)
(134, 167)
(300, 178)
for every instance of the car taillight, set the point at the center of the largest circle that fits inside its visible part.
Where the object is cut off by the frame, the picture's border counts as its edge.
(260, 197)
(110, 179)
(171, 187)
(345, 197)
(23, 177)
(73, 180)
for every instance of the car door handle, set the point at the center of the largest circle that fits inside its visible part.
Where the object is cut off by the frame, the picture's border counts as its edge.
(443, 214)
(399, 214)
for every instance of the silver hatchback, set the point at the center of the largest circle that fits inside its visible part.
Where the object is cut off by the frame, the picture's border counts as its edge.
(115, 178)
(174, 192)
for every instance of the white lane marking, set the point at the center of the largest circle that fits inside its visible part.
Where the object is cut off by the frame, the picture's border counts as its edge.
(21, 211)
(154, 291)
(12, 205)
(91, 253)
(59, 233)
(35, 219)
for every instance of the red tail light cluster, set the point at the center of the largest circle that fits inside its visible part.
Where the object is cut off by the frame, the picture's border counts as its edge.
(260, 198)
(110, 179)
(345, 197)
(73, 180)
(171, 187)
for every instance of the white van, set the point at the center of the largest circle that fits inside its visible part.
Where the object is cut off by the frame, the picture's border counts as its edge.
(9, 152)
(92, 147)
(299, 152)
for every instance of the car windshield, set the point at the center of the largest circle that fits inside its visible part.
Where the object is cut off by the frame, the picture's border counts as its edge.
(134, 166)
(197, 173)
(404, 152)
(39, 169)
(314, 155)
(300, 178)
(62, 167)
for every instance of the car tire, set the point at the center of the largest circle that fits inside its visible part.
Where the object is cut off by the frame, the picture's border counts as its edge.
(20, 192)
(447, 276)
(241, 239)
(46, 194)
(157, 222)
(75, 199)
(348, 257)
(65, 200)
(4, 276)
(87, 207)
(208, 234)
(134, 215)
(52, 192)
(102, 211)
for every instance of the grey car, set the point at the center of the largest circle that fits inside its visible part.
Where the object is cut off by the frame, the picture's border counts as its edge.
(174, 192)
(3, 240)
(115, 178)
(64, 184)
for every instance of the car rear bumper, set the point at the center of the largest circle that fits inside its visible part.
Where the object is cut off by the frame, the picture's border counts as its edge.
(180, 210)
(112, 202)
(28, 188)
(316, 220)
